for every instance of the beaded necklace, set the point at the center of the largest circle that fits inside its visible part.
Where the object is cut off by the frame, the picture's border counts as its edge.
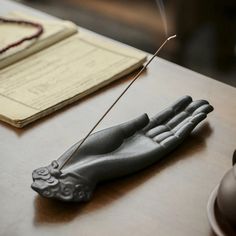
(39, 31)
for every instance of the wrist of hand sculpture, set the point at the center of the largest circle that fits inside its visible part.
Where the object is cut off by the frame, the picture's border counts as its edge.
(119, 151)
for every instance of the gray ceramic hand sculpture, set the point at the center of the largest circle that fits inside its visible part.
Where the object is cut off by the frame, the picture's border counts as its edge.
(119, 151)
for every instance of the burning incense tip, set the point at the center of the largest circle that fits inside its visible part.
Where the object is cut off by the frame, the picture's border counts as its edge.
(172, 37)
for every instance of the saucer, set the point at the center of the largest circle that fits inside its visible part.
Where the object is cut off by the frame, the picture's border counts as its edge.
(211, 213)
(218, 225)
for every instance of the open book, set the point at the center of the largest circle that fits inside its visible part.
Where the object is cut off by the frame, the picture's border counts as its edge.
(57, 69)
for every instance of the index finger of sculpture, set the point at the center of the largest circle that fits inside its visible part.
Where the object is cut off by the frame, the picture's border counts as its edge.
(204, 109)
(195, 105)
(181, 103)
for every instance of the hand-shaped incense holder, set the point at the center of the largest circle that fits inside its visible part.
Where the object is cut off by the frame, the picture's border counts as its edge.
(118, 151)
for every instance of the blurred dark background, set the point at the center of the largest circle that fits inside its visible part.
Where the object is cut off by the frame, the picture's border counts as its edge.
(206, 30)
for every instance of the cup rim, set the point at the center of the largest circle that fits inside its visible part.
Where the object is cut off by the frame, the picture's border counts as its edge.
(218, 224)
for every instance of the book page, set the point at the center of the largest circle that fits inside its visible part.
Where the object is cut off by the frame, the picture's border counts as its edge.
(53, 31)
(61, 74)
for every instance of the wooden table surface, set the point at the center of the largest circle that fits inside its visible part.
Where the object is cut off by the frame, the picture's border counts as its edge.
(168, 198)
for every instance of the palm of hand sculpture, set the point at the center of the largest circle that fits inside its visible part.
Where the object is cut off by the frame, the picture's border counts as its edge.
(119, 151)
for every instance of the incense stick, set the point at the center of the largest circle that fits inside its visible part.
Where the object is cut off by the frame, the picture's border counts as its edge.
(117, 99)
